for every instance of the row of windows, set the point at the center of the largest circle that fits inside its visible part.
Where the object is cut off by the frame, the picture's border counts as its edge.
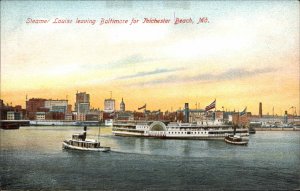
(142, 127)
(86, 145)
(181, 132)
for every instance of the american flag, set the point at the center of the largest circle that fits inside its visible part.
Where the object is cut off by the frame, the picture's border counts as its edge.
(211, 106)
(243, 112)
(143, 107)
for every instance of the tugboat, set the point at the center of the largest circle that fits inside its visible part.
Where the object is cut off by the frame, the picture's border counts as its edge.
(235, 139)
(79, 142)
(252, 130)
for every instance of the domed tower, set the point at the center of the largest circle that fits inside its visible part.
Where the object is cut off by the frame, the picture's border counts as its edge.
(122, 106)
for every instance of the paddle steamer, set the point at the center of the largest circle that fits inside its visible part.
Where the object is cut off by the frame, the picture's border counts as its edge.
(174, 130)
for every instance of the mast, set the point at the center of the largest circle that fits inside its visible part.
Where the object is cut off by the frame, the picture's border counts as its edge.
(99, 132)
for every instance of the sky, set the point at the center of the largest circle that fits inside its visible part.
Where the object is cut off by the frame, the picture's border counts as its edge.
(247, 53)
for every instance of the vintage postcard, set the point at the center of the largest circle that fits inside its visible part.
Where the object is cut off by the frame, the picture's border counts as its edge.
(150, 95)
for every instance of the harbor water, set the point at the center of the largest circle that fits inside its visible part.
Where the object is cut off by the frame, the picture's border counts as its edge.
(33, 158)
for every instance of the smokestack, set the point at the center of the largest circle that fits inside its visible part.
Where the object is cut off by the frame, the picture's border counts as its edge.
(260, 110)
(84, 133)
(285, 118)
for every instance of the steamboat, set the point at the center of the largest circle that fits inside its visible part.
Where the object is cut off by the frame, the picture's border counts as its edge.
(176, 130)
(80, 142)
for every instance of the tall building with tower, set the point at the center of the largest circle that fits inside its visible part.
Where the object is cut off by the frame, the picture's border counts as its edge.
(109, 105)
(122, 106)
(82, 104)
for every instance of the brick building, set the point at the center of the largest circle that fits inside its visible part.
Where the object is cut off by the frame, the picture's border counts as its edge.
(34, 105)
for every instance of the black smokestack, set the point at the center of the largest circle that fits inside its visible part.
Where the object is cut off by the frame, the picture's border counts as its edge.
(84, 133)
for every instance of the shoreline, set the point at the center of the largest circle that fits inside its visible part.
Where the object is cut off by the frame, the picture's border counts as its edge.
(277, 129)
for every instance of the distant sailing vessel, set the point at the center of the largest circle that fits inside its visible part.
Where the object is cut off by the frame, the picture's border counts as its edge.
(79, 142)
(174, 130)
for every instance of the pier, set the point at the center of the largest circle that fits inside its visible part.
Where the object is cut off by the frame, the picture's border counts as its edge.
(13, 124)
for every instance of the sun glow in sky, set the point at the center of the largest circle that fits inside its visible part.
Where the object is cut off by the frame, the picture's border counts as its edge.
(247, 53)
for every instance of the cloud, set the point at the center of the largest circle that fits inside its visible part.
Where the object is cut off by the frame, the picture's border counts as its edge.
(122, 62)
(132, 59)
(153, 72)
(231, 74)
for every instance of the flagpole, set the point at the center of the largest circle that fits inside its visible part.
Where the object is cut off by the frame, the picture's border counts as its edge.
(215, 110)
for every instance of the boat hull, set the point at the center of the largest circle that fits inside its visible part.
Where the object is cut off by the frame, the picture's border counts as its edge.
(170, 135)
(99, 149)
(10, 126)
(235, 142)
(158, 129)
(174, 137)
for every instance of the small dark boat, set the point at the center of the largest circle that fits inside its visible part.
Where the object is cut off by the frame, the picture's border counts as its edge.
(10, 126)
(252, 130)
(236, 140)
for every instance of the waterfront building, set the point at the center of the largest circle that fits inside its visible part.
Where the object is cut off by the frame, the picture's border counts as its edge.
(1, 103)
(153, 115)
(101, 116)
(14, 115)
(83, 108)
(122, 106)
(241, 120)
(69, 108)
(55, 116)
(270, 120)
(125, 116)
(138, 115)
(93, 115)
(186, 112)
(109, 105)
(82, 104)
(106, 115)
(18, 115)
(68, 117)
(80, 117)
(34, 105)
(40, 116)
(10, 115)
(57, 105)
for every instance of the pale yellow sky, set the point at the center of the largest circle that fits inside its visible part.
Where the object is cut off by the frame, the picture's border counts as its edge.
(240, 58)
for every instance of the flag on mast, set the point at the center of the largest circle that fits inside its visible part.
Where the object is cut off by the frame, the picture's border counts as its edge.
(211, 106)
(112, 114)
(143, 107)
(243, 112)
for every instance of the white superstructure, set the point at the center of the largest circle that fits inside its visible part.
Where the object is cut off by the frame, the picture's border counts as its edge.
(207, 130)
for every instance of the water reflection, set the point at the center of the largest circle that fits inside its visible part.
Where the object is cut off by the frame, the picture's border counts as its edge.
(49, 139)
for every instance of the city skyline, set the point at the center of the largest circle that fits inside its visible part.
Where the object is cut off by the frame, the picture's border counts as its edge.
(239, 58)
(196, 106)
